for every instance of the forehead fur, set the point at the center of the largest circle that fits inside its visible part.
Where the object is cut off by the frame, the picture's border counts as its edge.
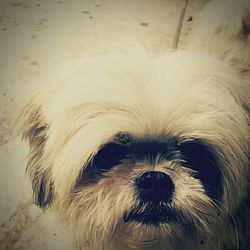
(141, 97)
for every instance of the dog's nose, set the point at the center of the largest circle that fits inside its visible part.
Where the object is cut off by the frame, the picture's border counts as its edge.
(154, 186)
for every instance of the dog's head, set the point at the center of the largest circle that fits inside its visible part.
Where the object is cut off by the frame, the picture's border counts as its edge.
(142, 152)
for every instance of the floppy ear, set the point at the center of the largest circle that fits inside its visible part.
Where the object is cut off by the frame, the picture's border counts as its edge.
(34, 130)
(245, 31)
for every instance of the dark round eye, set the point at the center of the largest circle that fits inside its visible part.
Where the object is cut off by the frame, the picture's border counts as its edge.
(110, 155)
(201, 157)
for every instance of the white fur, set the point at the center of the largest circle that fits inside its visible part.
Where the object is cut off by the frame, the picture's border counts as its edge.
(199, 93)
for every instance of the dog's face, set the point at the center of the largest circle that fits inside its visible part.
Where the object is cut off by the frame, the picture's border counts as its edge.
(142, 153)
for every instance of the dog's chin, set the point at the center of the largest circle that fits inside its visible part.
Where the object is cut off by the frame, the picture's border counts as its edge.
(152, 230)
(154, 215)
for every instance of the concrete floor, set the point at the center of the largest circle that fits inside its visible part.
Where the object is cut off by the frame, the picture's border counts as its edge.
(36, 35)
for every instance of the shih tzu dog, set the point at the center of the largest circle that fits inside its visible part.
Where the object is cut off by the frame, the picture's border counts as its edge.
(136, 152)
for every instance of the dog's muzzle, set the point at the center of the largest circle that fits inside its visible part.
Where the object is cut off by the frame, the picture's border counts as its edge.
(154, 195)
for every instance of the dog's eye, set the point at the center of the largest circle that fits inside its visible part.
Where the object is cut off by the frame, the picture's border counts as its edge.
(110, 155)
(201, 157)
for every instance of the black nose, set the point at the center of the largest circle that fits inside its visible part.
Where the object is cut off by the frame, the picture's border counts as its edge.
(154, 186)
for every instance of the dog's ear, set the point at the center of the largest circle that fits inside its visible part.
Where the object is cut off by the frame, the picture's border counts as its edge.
(245, 31)
(42, 188)
(34, 131)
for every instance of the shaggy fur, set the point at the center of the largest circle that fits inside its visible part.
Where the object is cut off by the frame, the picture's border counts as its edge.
(111, 119)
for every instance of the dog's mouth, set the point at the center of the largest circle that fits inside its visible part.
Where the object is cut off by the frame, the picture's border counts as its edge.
(151, 214)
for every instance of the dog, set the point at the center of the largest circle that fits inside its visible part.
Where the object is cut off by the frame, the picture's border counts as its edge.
(136, 152)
